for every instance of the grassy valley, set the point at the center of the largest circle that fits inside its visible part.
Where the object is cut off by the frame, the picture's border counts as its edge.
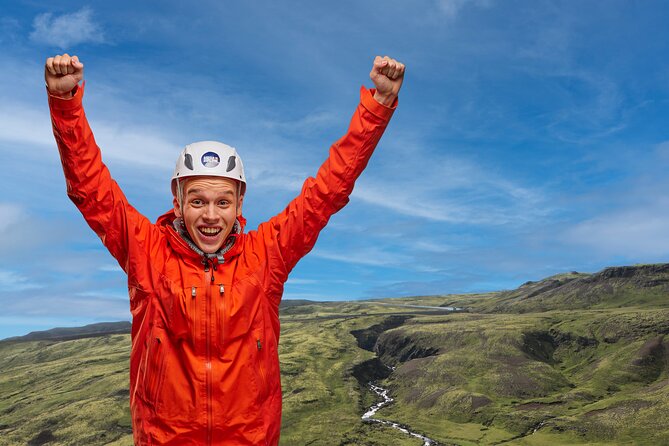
(571, 359)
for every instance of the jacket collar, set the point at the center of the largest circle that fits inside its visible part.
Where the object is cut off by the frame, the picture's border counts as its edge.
(182, 243)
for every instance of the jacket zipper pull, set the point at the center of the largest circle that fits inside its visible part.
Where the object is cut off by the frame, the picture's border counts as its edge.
(221, 289)
(193, 292)
(259, 344)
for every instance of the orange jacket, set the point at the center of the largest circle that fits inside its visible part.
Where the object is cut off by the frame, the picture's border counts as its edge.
(204, 367)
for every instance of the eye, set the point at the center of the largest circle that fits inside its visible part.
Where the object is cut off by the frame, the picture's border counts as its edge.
(196, 202)
(224, 203)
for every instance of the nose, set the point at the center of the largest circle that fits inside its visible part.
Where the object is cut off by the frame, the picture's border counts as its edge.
(210, 212)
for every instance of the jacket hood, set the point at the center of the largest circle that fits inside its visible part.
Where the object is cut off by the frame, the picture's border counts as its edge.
(181, 242)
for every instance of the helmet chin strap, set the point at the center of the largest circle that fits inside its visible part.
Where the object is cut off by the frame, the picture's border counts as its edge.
(180, 195)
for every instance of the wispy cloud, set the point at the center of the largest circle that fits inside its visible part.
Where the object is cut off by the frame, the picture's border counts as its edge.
(9, 29)
(451, 8)
(26, 124)
(53, 304)
(369, 256)
(298, 281)
(311, 296)
(662, 151)
(110, 268)
(66, 30)
(453, 191)
(133, 145)
(301, 281)
(11, 214)
(105, 293)
(639, 232)
(12, 281)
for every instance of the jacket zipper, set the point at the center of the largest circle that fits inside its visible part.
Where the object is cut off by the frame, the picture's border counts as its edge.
(208, 330)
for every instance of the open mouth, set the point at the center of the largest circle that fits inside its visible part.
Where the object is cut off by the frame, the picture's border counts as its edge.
(209, 232)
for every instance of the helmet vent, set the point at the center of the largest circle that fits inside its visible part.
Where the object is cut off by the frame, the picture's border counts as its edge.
(188, 161)
(231, 163)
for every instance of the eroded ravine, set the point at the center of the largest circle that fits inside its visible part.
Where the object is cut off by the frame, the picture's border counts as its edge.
(369, 372)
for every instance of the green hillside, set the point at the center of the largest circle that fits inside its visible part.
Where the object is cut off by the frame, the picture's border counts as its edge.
(571, 359)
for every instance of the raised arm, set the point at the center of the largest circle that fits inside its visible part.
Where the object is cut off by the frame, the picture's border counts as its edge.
(294, 231)
(89, 183)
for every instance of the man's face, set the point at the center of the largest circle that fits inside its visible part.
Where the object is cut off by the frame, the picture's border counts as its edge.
(210, 207)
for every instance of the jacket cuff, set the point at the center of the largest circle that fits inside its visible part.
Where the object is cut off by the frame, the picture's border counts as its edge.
(374, 107)
(61, 104)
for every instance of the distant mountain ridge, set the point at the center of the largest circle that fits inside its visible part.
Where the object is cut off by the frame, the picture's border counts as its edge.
(70, 333)
(104, 328)
(613, 287)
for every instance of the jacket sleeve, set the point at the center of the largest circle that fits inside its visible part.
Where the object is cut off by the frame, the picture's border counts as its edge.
(89, 183)
(296, 228)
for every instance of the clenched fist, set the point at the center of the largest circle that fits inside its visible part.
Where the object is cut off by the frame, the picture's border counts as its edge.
(62, 73)
(387, 75)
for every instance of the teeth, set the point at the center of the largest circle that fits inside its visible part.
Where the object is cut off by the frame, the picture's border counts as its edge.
(210, 231)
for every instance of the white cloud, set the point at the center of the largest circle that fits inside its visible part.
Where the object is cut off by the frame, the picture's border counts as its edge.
(453, 191)
(11, 214)
(451, 8)
(312, 296)
(662, 151)
(105, 293)
(132, 145)
(66, 30)
(298, 281)
(55, 305)
(110, 268)
(632, 233)
(12, 281)
(24, 124)
(311, 123)
(371, 256)
(432, 246)
(9, 29)
(135, 145)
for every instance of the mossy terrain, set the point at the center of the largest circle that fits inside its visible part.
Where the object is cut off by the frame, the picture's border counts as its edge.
(572, 359)
(71, 392)
(595, 376)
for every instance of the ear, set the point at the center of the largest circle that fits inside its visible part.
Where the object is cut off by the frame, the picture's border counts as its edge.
(239, 205)
(177, 208)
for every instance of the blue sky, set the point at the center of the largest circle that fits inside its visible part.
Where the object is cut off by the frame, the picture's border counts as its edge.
(531, 138)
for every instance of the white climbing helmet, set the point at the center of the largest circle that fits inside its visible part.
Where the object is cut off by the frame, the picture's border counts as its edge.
(209, 158)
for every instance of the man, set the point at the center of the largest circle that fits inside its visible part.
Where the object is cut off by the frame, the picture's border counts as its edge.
(204, 295)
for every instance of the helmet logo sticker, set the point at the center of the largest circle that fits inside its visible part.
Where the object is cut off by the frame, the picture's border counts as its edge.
(188, 161)
(210, 159)
(231, 163)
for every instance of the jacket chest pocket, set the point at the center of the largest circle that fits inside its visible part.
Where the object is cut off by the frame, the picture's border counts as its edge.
(238, 309)
(174, 311)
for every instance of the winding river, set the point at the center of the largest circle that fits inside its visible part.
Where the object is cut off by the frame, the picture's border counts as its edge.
(385, 399)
